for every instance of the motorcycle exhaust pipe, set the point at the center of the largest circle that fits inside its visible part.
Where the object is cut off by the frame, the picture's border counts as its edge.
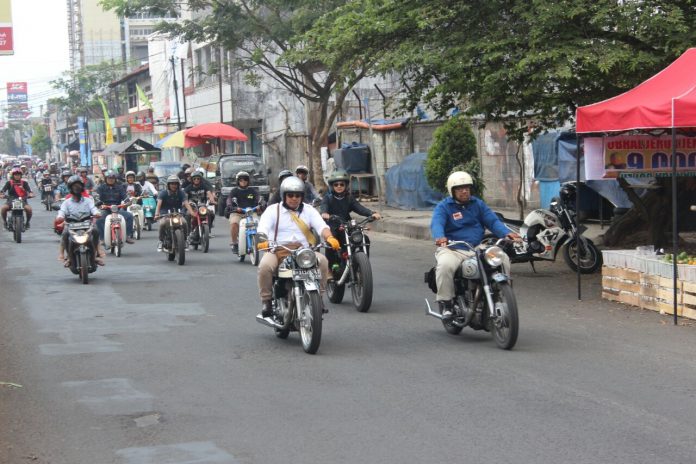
(429, 311)
(344, 277)
(269, 322)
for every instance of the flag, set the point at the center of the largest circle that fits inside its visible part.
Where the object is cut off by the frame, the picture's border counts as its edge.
(107, 124)
(143, 98)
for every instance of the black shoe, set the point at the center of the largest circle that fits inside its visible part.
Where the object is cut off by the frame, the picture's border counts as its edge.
(235, 248)
(26, 226)
(267, 309)
(446, 309)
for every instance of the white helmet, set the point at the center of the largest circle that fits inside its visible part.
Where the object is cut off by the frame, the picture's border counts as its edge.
(457, 179)
(291, 184)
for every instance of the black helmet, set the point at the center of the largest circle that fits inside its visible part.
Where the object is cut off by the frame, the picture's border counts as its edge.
(185, 166)
(242, 175)
(141, 175)
(285, 173)
(65, 173)
(568, 192)
(75, 179)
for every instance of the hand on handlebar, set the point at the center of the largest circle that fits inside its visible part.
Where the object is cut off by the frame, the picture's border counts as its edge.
(325, 216)
(442, 241)
(514, 236)
(376, 216)
(333, 242)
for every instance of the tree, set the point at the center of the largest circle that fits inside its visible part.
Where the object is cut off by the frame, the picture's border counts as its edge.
(453, 149)
(8, 145)
(40, 142)
(300, 45)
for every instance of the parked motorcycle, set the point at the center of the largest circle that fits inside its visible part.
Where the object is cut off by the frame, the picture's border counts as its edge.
(248, 239)
(15, 221)
(484, 299)
(80, 251)
(544, 232)
(354, 269)
(114, 229)
(174, 243)
(296, 301)
(199, 234)
(138, 217)
(149, 208)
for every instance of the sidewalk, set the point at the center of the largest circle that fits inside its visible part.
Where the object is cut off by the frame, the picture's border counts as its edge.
(416, 224)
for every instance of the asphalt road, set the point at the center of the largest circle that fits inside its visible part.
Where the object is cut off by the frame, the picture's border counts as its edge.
(154, 363)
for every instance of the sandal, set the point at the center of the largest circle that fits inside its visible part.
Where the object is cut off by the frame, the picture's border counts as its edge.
(99, 260)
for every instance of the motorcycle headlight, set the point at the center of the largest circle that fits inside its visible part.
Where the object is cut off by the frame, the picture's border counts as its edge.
(494, 256)
(306, 258)
(202, 210)
(175, 220)
(356, 237)
(81, 239)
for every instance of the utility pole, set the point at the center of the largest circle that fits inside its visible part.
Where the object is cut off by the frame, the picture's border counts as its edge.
(183, 86)
(176, 93)
(222, 111)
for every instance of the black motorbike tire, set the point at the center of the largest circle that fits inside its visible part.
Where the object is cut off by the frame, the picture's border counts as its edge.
(149, 224)
(506, 341)
(254, 253)
(48, 204)
(84, 268)
(335, 291)
(136, 227)
(17, 227)
(587, 266)
(311, 307)
(362, 284)
(180, 244)
(205, 238)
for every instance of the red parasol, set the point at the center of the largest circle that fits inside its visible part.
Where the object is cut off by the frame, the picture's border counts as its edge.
(216, 130)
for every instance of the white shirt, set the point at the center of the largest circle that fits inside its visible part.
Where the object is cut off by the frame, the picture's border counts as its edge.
(288, 231)
(149, 188)
(76, 209)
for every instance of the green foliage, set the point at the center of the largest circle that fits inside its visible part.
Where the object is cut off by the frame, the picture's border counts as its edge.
(40, 142)
(453, 149)
(8, 145)
(82, 88)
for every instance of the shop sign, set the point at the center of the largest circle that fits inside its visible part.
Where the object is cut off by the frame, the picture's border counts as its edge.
(647, 154)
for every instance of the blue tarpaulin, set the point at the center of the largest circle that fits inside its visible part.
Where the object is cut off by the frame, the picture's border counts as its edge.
(406, 186)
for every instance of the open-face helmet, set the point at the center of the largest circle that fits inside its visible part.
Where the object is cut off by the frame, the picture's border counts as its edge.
(458, 179)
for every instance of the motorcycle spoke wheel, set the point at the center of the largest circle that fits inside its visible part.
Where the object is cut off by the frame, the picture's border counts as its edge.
(586, 256)
(506, 327)
(205, 238)
(17, 226)
(136, 228)
(180, 245)
(310, 321)
(335, 292)
(254, 252)
(362, 282)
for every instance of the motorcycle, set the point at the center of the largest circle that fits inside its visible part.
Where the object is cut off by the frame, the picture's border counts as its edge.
(80, 249)
(47, 195)
(15, 223)
(296, 299)
(484, 299)
(174, 243)
(200, 227)
(138, 217)
(149, 207)
(354, 269)
(114, 229)
(545, 232)
(248, 239)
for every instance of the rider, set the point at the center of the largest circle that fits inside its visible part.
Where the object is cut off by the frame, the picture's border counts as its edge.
(282, 175)
(461, 216)
(339, 202)
(311, 193)
(133, 188)
(120, 176)
(78, 205)
(86, 181)
(186, 181)
(110, 193)
(199, 191)
(172, 199)
(289, 223)
(240, 197)
(15, 188)
(46, 180)
(148, 188)
(62, 190)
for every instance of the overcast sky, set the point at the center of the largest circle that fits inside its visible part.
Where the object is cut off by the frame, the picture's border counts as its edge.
(41, 49)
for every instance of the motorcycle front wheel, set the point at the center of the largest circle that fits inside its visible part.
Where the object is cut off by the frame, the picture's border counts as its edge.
(136, 228)
(84, 268)
(590, 259)
(180, 244)
(205, 238)
(362, 282)
(310, 321)
(505, 330)
(254, 253)
(149, 224)
(17, 227)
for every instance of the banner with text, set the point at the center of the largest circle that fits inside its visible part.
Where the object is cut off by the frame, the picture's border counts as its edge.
(645, 154)
(6, 41)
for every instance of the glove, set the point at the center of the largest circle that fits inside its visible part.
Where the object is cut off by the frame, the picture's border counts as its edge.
(333, 242)
(262, 246)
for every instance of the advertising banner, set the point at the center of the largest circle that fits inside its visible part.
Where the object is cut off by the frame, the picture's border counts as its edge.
(6, 41)
(141, 124)
(82, 137)
(645, 155)
(17, 92)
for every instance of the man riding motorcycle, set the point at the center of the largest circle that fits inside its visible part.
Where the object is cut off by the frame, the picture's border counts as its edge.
(148, 187)
(240, 197)
(78, 205)
(88, 183)
(282, 175)
(289, 223)
(15, 188)
(62, 190)
(339, 202)
(110, 193)
(461, 216)
(199, 191)
(170, 200)
(311, 193)
(133, 188)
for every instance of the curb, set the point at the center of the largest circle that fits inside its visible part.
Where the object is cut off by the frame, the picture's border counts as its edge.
(406, 229)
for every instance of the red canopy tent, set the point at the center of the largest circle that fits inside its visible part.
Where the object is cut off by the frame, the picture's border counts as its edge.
(665, 101)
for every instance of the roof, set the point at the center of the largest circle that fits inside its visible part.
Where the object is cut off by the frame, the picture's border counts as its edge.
(668, 99)
(137, 71)
(131, 146)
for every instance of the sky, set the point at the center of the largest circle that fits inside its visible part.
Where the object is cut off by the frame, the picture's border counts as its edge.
(41, 49)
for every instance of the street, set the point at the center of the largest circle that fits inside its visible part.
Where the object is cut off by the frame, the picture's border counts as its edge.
(154, 363)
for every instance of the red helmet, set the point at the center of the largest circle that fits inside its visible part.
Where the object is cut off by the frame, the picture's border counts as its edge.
(17, 171)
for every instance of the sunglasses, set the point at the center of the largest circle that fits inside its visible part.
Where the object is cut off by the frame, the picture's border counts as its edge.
(294, 195)
(339, 184)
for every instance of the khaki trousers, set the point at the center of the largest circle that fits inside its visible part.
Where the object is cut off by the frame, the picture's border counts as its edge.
(448, 261)
(269, 266)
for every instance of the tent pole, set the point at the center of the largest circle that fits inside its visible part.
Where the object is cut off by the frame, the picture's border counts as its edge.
(578, 153)
(675, 234)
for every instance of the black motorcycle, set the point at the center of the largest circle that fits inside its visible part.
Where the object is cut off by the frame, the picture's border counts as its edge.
(15, 222)
(80, 250)
(484, 299)
(174, 243)
(354, 268)
(47, 195)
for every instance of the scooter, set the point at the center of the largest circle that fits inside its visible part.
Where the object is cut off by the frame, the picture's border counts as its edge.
(149, 207)
(138, 217)
(248, 239)
(80, 249)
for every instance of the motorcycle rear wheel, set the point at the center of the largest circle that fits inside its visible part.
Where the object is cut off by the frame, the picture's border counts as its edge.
(17, 228)
(149, 224)
(205, 238)
(505, 336)
(590, 258)
(310, 319)
(180, 244)
(254, 254)
(362, 282)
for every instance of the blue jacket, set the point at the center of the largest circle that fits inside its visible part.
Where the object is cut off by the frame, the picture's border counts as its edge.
(465, 222)
(111, 195)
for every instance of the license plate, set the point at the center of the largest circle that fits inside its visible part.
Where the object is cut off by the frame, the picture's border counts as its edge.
(304, 274)
(48, 188)
(17, 205)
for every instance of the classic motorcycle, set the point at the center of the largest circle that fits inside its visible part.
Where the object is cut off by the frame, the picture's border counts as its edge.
(149, 207)
(544, 232)
(114, 229)
(484, 299)
(354, 269)
(138, 217)
(174, 243)
(15, 222)
(296, 300)
(80, 249)
(199, 234)
(47, 195)
(248, 239)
